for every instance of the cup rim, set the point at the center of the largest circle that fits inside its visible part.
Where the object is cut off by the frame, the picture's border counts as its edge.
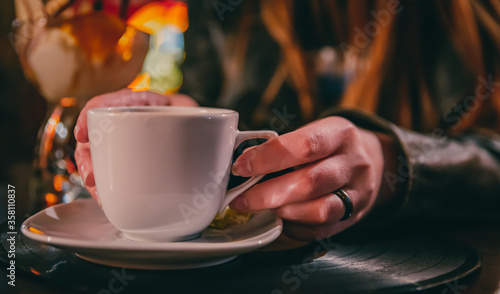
(162, 110)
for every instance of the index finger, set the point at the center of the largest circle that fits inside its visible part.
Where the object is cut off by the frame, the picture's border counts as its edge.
(307, 144)
(124, 97)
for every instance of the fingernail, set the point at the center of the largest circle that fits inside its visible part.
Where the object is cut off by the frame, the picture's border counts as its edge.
(239, 204)
(77, 130)
(89, 181)
(87, 176)
(242, 168)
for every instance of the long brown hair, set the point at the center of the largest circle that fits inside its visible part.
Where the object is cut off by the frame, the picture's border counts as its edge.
(397, 80)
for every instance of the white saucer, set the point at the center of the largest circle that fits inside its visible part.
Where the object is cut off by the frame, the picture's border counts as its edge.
(82, 227)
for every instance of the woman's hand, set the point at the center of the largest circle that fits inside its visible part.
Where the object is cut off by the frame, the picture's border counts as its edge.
(328, 154)
(125, 97)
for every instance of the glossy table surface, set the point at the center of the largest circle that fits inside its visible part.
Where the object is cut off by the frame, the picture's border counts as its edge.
(288, 267)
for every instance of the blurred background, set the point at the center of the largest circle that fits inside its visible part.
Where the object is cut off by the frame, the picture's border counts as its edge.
(22, 111)
(73, 50)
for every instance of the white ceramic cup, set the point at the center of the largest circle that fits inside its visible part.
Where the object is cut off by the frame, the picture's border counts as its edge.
(162, 172)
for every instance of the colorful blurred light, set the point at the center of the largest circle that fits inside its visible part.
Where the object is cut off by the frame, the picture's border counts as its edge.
(58, 182)
(152, 17)
(165, 22)
(68, 102)
(51, 199)
(36, 231)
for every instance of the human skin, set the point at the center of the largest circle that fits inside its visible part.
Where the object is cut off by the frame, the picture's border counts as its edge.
(328, 154)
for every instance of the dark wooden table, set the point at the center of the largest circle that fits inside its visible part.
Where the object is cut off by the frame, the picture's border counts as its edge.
(486, 281)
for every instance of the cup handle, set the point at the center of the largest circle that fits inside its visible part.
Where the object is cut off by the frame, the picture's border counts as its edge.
(243, 136)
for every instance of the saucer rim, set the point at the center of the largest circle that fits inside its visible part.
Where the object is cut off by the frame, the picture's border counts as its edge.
(259, 240)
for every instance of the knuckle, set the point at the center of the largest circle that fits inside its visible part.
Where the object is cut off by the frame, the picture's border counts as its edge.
(311, 144)
(361, 168)
(310, 181)
(261, 197)
(350, 131)
(322, 213)
(363, 163)
(307, 146)
(347, 130)
(360, 160)
(270, 201)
